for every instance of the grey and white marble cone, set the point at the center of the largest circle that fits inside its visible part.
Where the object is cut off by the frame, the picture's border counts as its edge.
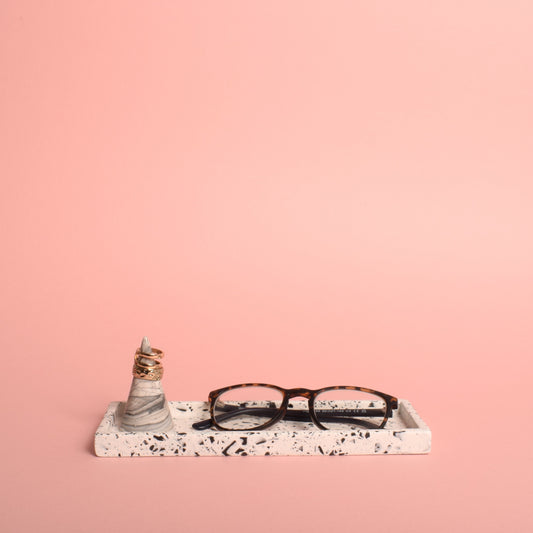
(147, 407)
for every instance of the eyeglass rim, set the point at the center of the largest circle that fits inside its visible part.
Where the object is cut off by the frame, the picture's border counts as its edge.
(391, 402)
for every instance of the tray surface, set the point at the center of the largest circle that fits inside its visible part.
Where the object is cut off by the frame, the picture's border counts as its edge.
(405, 433)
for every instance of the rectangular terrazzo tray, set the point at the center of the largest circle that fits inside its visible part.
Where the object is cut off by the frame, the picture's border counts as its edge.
(405, 433)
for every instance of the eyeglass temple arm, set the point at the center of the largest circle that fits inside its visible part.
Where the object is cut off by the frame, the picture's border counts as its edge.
(295, 414)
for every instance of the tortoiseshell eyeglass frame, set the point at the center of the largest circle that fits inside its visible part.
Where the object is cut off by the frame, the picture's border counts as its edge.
(391, 403)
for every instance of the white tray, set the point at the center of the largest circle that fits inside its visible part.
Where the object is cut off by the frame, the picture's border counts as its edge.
(405, 433)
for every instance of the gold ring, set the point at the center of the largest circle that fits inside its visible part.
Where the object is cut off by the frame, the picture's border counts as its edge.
(156, 354)
(150, 373)
(152, 369)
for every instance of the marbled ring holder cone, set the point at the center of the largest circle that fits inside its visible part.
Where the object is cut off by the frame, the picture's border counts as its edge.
(147, 408)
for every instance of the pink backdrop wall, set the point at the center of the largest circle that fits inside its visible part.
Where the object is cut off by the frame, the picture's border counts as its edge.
(303, 193)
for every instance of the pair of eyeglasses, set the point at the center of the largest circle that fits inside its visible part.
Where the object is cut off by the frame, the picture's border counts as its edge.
(257, 406)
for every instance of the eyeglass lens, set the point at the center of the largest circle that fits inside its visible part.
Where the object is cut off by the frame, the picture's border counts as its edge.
(247, 408)
(340, 408)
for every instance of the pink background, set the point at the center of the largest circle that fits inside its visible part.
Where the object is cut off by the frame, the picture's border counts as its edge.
(302, 193)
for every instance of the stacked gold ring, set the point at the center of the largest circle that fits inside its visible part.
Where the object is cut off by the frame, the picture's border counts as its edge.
(143, 370)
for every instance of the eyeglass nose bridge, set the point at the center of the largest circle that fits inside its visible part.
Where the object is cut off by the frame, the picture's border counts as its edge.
(299, 392)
